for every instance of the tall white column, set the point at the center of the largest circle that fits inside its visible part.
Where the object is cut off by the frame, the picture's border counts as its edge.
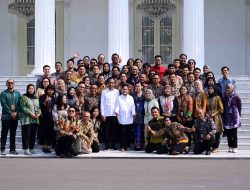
(119, 29)
(44, 35)
(193, 31)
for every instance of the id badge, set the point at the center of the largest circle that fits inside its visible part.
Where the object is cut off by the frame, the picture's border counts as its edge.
(12, 107)
(230, 110)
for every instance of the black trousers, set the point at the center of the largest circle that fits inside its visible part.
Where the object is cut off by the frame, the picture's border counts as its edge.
(64, 146)
(232, 138)
(112, 131)
(125, 135)
(206, 145)
(178, 147)
(29, 135)
(6, 126)
(216, 140)
(159, 147)
(95, 146)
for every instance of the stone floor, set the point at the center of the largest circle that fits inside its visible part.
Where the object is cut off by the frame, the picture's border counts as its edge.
(241, 154)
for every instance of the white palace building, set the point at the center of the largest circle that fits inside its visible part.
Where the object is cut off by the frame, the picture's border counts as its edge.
(213, 32)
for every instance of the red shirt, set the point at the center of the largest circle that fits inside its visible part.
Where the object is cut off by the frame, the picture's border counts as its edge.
(160, 70)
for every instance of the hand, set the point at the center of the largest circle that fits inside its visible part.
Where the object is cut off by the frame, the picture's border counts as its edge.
(33, 116)
(193, 129)
(134, 114)
(117, 114)
(76, 55)
(13, 115)
(103, 118)
(208, 137)
(152, 133)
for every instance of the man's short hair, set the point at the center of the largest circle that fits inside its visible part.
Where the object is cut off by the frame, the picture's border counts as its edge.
(46, 66)
(224, 67)
(155, 108)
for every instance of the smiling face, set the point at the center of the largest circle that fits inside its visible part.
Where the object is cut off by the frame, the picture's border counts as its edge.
(31, 90)
(183, 90)
(167, 121)
(155, 113)
(125, 90)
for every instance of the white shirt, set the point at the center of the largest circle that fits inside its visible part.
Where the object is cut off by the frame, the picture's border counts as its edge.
(125, 107)
(108, 98)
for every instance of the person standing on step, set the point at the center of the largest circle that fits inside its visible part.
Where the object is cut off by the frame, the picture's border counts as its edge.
(108, 99)
(231, 117)
(125, 112)
(10, 102)
(29, 117)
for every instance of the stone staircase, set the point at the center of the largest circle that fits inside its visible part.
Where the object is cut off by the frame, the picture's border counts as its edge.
(243, 90)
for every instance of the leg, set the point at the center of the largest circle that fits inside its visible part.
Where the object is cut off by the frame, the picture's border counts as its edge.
(25, 136)
(13, 128)
(178, 147)
(161, 149)
(95, 146)
(234, 138)
(4, 133)
(33, 132)
(198, 148)
(216, 140)
(229, 138)
(150, 147)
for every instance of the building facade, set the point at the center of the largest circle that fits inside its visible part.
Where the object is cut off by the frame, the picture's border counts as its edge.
(94, 27)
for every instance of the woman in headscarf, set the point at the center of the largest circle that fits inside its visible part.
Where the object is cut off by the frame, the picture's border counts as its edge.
(60, 88)
(215, 110)
(168, 104)
(30, 114)
(231, 116)
(150, 102)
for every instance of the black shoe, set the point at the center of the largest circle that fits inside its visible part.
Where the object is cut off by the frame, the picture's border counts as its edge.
(13, 152)
(208, 152)
(113, 147)
(46, 150)
(68, 155)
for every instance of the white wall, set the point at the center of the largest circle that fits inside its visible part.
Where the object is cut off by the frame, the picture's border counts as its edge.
(225, 35)
(8, 41)
(86, 28)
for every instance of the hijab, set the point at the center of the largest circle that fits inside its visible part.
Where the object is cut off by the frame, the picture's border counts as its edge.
(31, 96)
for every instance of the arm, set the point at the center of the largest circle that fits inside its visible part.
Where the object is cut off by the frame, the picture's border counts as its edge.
(4, 103)
(204, 100)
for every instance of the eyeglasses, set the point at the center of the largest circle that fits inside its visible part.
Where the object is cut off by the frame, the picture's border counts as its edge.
(71, 111)
(10, 82)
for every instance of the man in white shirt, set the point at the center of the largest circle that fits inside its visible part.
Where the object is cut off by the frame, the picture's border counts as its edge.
(125, 111)
(108, 99)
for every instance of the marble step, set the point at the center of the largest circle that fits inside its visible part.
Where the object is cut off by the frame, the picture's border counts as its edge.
(242, 146)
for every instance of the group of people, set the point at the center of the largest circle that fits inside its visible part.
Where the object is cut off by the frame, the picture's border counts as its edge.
(135, 105)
